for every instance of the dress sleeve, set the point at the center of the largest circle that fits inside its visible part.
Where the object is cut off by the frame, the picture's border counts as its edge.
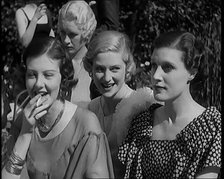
(214, 156)
(200, 142)
(213, 152)
(91, 158)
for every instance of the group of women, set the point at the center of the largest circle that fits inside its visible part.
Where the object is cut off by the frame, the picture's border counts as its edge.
(156, 132)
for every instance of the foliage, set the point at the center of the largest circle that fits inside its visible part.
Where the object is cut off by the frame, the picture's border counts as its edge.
(142, 20)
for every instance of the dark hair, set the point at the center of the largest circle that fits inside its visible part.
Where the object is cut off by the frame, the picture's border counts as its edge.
(35, 1)
(193, 51)
(54, 49)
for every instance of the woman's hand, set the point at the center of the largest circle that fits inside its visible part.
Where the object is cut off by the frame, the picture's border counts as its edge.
(34, 110)
(40, 11)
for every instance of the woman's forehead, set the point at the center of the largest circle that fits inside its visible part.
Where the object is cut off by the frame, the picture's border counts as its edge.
(69, 27)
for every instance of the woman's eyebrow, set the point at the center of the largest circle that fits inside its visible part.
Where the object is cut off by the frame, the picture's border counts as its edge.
(168, 63)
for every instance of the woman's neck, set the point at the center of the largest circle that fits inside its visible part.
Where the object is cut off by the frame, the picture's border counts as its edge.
(53, 111)
(80, 54)
(109, 104)
(181, 107)
(53, 116)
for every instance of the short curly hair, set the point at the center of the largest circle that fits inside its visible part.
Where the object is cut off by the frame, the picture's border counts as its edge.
(54, 49)
(111, 41)
(81, 14)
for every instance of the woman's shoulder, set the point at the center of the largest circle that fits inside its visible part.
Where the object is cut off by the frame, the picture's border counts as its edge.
(20, 11)
(213, 113)
(24, 9)
(209, 119)
(88, 120)
(95, 101)
(204, 129)
(94, 104)
(138, 101)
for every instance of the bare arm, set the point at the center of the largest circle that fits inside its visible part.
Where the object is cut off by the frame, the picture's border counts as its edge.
(23, 141)
(21, 148)
(26, 33)
(208, 172)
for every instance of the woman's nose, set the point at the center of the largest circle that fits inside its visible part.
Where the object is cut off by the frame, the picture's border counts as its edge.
(157, 73)
(39, 82)
(107, 76)
(67, 39)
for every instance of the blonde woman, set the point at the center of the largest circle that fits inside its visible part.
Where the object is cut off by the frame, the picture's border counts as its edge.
(52, 137)
(110, 63)
(76, 25)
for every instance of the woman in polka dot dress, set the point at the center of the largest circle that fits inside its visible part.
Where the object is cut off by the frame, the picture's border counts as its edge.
(180, 139)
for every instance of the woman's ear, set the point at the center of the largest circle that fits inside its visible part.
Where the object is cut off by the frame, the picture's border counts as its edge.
(192, 75)
(127, 76)
(91, 74)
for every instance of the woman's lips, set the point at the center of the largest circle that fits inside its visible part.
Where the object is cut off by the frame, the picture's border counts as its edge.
(70, 48)
(42, 93)
(157, 87)
(107, 86)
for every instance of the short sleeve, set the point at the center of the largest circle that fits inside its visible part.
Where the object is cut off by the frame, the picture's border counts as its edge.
(91, 158)
(214, 156)
(200, 141)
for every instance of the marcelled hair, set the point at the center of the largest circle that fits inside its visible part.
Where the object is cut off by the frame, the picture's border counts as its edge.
(54, 49)
(79, 13)
(193, 51)
(111, 41)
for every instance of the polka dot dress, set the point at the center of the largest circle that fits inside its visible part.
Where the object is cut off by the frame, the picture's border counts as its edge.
(196, 147)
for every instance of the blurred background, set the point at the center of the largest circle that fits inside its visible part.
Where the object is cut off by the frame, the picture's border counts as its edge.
(142, 20)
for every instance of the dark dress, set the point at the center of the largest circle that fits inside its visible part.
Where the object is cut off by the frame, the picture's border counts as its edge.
(196, 147)
(42, 30)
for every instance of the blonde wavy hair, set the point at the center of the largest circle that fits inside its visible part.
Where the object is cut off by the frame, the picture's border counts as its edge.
(111, 41)
(79, 12)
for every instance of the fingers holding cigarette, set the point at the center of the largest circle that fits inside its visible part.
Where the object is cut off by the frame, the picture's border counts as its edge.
(39, 101)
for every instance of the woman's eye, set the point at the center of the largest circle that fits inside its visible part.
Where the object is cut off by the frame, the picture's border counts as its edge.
(30, 75)
(49, 75)
(99, 69)
(115, 69)
(72, 35)
(167, 68)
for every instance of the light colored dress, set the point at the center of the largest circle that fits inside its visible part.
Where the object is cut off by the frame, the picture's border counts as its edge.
(81, 92)
(79, 150)
(116, 125)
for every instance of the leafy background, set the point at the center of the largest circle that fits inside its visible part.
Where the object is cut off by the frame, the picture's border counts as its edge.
(142, 20)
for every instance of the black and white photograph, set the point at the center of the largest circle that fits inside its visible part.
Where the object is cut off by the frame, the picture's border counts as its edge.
(111, 89)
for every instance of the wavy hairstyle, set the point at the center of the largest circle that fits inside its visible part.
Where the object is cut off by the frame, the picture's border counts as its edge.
(54, 49)
(111, 41)
(193, 51)
(81, 14)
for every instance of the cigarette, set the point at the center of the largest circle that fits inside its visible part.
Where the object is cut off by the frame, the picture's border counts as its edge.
(38, 102)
